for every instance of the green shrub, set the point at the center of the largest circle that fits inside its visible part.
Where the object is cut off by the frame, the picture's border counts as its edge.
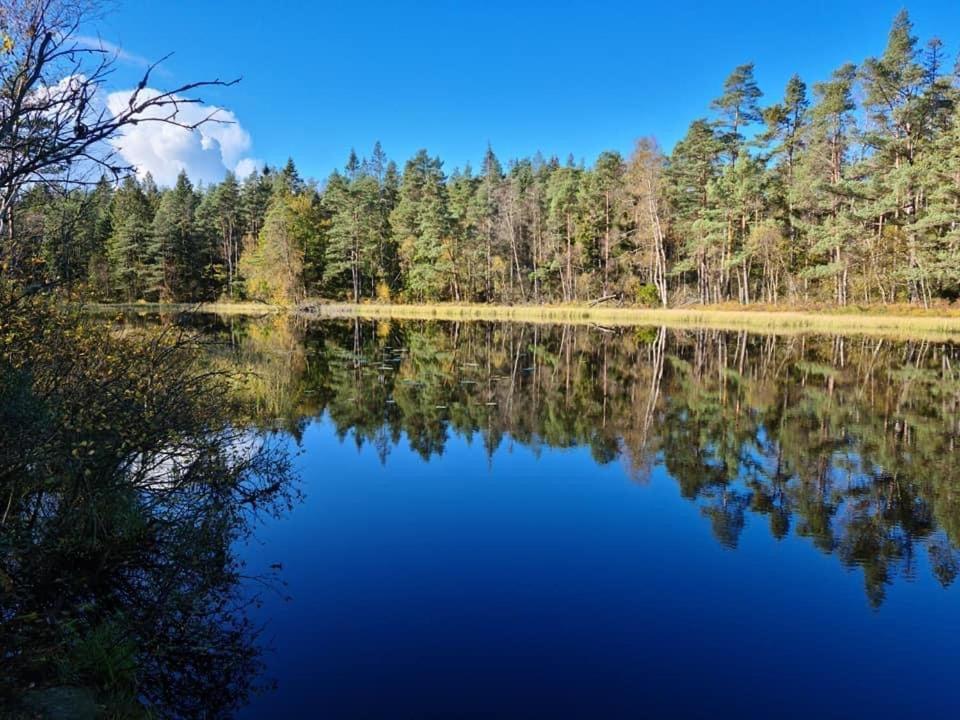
(647, 295)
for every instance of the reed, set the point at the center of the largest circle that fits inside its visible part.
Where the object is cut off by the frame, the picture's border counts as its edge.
(888, 323)
(894, 321)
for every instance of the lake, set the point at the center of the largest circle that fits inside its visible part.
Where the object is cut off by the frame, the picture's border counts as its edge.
(508, 520)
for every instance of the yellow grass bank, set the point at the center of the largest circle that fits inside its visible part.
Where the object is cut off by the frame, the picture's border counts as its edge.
(216, 308)
(893, 322)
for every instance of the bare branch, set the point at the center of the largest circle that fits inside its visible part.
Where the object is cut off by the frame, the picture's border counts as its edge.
(51, 90)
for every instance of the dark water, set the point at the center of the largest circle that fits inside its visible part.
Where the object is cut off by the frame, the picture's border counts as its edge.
(531, 521)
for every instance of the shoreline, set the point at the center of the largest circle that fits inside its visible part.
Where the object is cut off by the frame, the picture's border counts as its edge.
(890, 324)
(213, 308)
(894, 321)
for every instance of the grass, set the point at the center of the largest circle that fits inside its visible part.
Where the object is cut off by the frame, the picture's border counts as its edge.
(217, 308)
(896, 321)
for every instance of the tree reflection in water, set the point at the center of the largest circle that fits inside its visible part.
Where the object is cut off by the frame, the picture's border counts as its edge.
(127, 477)
(847, 441)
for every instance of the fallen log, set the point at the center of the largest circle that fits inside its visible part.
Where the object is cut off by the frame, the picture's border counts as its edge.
(603, 299)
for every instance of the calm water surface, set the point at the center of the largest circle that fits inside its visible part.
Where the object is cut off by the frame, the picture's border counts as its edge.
(533, 521)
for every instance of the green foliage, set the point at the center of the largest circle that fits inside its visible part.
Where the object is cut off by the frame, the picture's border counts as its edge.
(646, 295)
(843, 441)
(843, 192)
(125, 479)
(422, 225)
(132, 251)
(103, 657)
(184, 256)
(273, 266)
(354, 235)
(738, 106)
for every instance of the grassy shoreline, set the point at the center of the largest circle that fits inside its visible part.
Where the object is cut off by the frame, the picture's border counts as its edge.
(216, 308)
(893, 321)
(880, 322)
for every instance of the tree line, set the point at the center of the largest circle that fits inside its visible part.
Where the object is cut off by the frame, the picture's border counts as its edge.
(846, 192)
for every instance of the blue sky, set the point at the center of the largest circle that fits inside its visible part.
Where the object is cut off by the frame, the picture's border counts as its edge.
(560, 77)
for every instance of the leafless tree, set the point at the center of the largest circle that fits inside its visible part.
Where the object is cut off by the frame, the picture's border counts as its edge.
(54, 124)
(644, 179)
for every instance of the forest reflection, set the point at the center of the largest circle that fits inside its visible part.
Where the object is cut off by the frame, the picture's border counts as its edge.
(849, 442)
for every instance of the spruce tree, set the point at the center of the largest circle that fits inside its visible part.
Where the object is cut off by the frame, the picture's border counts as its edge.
(184, 255)
(132, 255)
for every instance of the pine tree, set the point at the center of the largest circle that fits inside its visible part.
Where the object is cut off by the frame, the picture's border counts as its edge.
(487, 202)
(785, 135)
(289, 180)
(226, 201)
(607, 176)
(255, 195)
(466, 247)
(185, 257)
(939, 227)
(388, 260)
(851, 193)
(694, 165)
(514, 229)
(377, 165)
(561, 197)
(421, 227)
(97, 231)
(132, 254)
(738, 107)
(354, 233)
(823, 193)
(352, 167)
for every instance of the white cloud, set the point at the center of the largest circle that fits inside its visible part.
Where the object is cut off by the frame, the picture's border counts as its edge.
(246, 166)
(95, 43)
(164, 150)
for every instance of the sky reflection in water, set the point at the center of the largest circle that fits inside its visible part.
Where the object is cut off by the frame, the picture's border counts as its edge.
(509, 520)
